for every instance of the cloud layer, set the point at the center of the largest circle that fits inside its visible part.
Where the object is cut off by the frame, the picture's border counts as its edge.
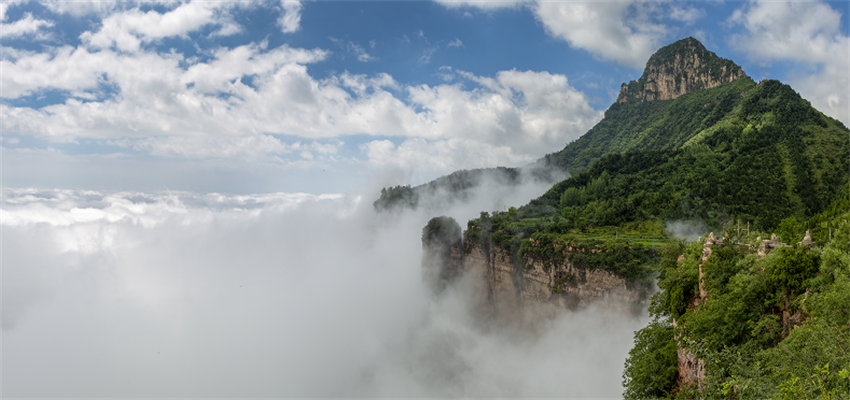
(129, 294)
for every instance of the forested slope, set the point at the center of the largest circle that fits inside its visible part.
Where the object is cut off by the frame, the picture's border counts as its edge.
(746, 160)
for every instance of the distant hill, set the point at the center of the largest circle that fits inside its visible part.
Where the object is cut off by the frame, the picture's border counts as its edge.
(460, 185)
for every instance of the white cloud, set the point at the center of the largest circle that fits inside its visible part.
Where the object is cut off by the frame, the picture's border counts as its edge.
(355, 49)
(484, 4)
(4, 7)
(807, 33)
(455, 43)
(26, 73)
(127, 30)
(427, 54)
(620, 31)
(25, 26)
(617, 31)
(207, 111)
(290, 20)
(82, 8)
(236, 103)
(526, 111)
(686, 14)
(441, 155)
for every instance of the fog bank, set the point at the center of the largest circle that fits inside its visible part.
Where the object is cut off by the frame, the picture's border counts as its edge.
(281, 295)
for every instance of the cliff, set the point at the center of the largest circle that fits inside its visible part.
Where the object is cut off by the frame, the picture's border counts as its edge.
(542, 276)
(677, 69)
(513, 288)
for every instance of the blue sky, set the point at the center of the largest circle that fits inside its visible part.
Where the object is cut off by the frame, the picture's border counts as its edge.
(323, 97)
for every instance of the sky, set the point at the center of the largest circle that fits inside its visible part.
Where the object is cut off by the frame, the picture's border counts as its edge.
(326, 97)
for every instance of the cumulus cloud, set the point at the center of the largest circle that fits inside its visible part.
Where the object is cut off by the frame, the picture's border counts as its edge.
(25, 26)
(227, 105)
(617, 31)
(83, 8)
(455, 43)
(290, 20)
(621, 31)
(808, 33)
(128, 30)
(686, 14)
(523, 110)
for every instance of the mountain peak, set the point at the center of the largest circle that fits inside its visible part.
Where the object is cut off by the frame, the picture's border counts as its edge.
(677, 69)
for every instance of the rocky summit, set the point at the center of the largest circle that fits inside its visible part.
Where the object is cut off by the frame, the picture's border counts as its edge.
(677, 69)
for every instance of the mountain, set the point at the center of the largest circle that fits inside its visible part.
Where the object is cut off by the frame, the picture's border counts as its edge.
(645, 117)
(696, 143)
(739, 150)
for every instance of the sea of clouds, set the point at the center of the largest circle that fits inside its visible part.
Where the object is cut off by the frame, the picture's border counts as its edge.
(174, 294)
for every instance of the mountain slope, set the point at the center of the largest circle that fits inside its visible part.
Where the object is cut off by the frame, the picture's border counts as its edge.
(772, 156)
(732, 319)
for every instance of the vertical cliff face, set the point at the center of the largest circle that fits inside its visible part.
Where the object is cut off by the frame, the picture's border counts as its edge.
(677, 69)
(514, 285)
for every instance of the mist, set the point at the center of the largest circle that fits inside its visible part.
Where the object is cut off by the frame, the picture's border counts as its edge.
(176, 294)
(687, 230)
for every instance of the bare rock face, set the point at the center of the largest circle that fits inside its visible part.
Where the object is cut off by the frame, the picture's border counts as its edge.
(691, 368)
(677, 69)
(537, 284)
(807, 241)
(513, 286)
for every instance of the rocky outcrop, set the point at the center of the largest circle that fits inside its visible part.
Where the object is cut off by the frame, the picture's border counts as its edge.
(442, 252)
(677, 69)
(514, 286)
(691, 368)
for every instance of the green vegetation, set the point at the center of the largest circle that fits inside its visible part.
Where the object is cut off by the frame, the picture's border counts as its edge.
(741, 154)
(654, 125)
(775, 327)
(441, 231)
(738, 155)
(628, 250)
(772, 157)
